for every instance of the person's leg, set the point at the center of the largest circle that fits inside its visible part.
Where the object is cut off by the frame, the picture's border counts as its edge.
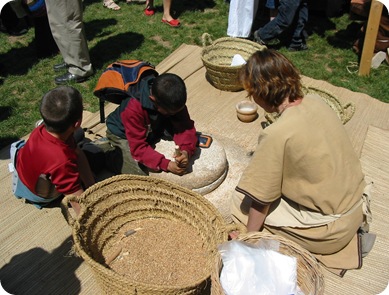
(120, 161)
(150, 9)
(167, 18)
(65, 19)
(239, 207)
(284, 18)
(166, 10)
(45, 43)
(11, 23)
(271, 5)
(298, 38)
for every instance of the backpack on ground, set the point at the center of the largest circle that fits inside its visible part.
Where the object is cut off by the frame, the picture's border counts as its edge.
(116, 82)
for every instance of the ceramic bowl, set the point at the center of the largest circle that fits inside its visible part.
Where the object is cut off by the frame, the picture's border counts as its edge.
(246, 111)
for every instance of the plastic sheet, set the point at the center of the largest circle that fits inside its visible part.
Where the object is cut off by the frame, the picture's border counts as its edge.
(257, 269)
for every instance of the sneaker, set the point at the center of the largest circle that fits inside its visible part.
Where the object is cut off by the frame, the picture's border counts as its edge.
(258, 39)
(300, 47)
(377, 59)
(38, 123)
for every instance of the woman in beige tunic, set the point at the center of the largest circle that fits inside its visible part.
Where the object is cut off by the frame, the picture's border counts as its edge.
(304, 181)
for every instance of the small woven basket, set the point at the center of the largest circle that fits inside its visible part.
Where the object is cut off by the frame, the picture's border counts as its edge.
(217, 56)
(310, 278)
(108, 205)
(344, 112)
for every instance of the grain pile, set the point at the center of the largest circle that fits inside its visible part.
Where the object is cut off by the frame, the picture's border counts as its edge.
(161, 252)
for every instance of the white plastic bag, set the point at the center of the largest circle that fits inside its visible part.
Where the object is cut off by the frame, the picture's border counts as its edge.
(257, 269)
(240, 17)
(237, 60)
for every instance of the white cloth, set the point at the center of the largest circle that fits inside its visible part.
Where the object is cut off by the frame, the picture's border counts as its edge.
(294, 215)
(240, 17)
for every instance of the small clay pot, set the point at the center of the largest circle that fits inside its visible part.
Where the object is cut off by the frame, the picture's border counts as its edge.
(246, 111)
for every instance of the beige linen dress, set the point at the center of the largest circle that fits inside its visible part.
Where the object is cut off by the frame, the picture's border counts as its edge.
(306, 168)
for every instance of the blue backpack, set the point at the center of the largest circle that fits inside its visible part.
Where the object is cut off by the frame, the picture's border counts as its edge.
(119, 79)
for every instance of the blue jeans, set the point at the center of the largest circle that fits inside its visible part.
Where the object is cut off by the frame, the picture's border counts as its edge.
(292, 14)
(271, 4)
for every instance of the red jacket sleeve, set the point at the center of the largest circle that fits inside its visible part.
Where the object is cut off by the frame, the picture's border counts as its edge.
(184, 131)
(137, 123)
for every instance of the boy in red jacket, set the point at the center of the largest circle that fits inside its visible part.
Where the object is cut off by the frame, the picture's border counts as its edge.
(50, 164)
(156, 109)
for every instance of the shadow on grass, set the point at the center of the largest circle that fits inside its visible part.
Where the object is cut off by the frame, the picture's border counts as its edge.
(345, 39)
(18, 61)
(5, 113)
(113, 47)
(95, 28)
(319, 24)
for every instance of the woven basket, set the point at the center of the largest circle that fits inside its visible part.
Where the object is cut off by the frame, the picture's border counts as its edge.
(217, 56)
(344, 112)
(309, 275)
(108, 205)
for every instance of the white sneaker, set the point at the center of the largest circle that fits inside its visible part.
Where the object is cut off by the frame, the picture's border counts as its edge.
(38, 123)
(377, 59)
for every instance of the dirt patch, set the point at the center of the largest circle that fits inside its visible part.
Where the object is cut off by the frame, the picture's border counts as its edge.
(161, 41)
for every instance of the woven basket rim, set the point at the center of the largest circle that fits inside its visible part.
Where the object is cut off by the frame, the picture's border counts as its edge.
(256, 236)
(344, 112)
(229, 40)
(221, 75)
(99, 268)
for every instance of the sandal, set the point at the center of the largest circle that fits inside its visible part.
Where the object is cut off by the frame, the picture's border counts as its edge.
(110, 4)
(175, 23)
(149, 11)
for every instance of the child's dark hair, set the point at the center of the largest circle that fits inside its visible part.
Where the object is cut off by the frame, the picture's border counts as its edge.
(60, 108)
(169, 91)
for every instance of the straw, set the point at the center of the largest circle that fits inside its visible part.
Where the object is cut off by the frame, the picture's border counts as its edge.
(217, 56)
(310, 278)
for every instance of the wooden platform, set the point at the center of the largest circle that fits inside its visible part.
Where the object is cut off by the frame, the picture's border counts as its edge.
(35, 244)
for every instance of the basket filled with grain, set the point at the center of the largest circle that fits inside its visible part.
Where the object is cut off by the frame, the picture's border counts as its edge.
(217, 56)
(310, 279)
(143, 235)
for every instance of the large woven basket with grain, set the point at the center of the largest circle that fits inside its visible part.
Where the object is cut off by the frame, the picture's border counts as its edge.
(310, 278)
(108, 205)
(217, 57)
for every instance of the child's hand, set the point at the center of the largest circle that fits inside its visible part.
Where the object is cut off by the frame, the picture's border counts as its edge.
(175, 169)
(182, 160)
(233, 235)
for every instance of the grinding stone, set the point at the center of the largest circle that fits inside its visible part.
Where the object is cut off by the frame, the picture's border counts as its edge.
(207, 167)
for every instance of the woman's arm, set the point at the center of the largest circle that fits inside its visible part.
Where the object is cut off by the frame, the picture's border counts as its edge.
(257, 216)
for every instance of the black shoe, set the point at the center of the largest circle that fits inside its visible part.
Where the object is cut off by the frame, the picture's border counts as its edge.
(258, 39)
(300, 47)
(68, 78)
(60, 67)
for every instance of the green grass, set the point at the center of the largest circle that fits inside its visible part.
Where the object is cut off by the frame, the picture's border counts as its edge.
(127, 34)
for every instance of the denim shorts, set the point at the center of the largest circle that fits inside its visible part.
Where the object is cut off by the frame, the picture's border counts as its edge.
(18, 187)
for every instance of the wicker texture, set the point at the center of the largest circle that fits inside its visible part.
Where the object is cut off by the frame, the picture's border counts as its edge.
(108, 205)
(344, 112)
(217, 56)
(310, 278)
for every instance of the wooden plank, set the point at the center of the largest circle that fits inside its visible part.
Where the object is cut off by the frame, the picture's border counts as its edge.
(370, 37)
